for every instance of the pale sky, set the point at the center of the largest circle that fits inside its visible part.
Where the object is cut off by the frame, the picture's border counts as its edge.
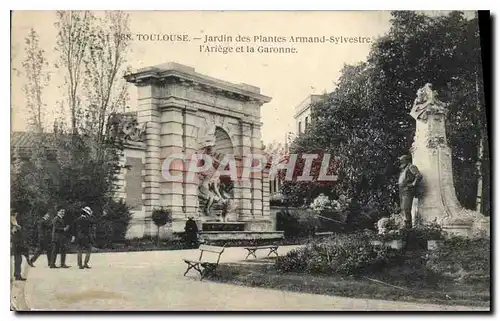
(287, 78)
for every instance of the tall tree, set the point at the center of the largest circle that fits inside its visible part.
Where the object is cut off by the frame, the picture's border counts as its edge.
(105, 65)
(73, 39)
(473, 35)
(365, 120)
(36, 80)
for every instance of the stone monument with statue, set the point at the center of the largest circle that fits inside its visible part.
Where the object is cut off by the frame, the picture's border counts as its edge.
(432, 155)
(181, 111)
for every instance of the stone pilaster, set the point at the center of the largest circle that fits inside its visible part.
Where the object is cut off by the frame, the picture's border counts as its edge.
(147, 112)
(257, 194)
(190, 187)
(265, 193)
(171, 147)
(245, 185)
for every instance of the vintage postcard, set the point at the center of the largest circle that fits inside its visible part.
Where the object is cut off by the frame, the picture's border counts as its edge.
(250, 161)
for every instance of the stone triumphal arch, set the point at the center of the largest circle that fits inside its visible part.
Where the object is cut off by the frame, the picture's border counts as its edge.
(183, 111)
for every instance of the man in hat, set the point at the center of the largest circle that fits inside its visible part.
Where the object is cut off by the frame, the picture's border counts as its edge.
(84, 236)
(59, 239)
(408, 180)
(44, 229)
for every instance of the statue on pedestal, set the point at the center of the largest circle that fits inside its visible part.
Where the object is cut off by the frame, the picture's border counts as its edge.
(210, 190)
(434, 158)
(409, 179)
(426, 97)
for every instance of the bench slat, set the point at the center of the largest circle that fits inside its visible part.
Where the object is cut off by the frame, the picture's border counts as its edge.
(210, 248)
(198, 262)
(262, 247)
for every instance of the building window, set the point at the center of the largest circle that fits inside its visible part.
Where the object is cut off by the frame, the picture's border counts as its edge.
(306, 123)
(300, 127)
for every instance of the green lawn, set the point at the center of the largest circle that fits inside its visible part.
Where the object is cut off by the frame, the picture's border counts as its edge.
(414, 288)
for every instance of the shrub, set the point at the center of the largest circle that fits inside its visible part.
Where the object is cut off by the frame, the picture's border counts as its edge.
(294, 261)
(297, 223)
(113, 224)
(276, 202)
(171, 237)
(104, 234)
(416, 237)
(350, 254)
(462, 259)
(161, 216)
(430, 231)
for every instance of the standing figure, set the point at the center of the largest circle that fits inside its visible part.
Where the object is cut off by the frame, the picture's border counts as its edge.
(408, 180)
(44, 229)
(84, 236)
(18, 246)
(59, 239)
(191, 233)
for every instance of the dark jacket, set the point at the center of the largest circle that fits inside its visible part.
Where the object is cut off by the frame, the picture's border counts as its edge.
(84, 227)
(19, 241)
(191, 227)
(59, 228)
(44, 231)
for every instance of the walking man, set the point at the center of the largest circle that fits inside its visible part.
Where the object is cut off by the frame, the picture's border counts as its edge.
(59, 238)
(84, 236)
(44, 229)
(18, 246)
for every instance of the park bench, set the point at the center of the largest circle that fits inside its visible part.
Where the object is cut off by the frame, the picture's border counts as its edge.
(205, 267)
(323, 234)
(252, 249)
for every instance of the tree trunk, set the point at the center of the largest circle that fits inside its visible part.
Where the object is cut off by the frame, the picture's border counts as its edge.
(480, 154)
(479, 195)
(158, 236)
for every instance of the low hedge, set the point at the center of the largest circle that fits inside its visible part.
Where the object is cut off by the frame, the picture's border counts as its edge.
(348, 254)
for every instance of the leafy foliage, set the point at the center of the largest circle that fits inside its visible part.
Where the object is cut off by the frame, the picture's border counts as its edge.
(37, 78)
(297, 223)
(462, 259)
(415, 237)
(76, 165)
(350, 254)
(118, 214)
(70, 171)
(161, 216)
(92, 48)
